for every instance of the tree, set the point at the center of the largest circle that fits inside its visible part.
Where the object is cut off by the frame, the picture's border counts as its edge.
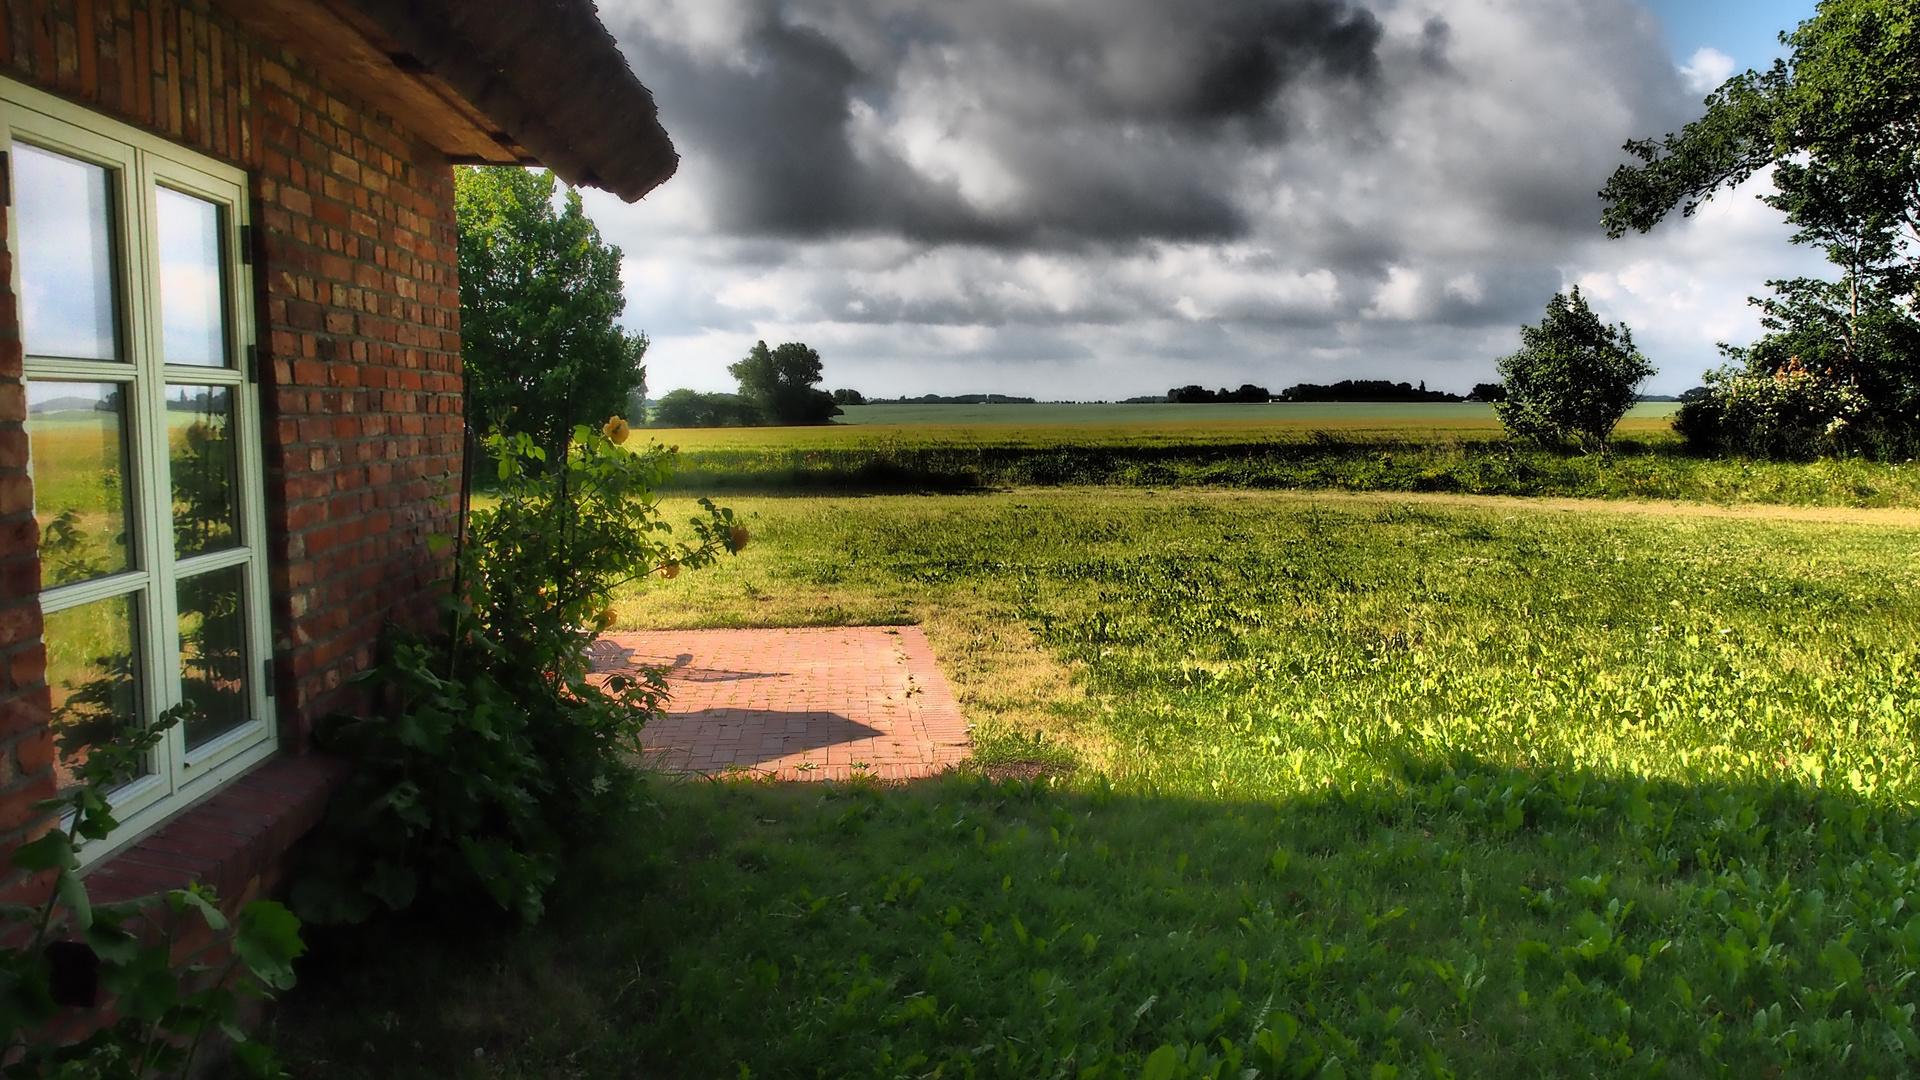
(1574, 376)
(689, 408)
(539, 293)
(1839, 124)
(781, 383)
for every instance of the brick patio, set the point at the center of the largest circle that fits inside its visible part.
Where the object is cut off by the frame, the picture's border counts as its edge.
(802, 704)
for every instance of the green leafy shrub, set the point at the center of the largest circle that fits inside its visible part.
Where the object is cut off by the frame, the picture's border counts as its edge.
(1792, 414)
(1574, 376)
(73, 953)
(692, 409)
(492, 753)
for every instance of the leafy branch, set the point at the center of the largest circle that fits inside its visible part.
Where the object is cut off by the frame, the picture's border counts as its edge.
(78, 952)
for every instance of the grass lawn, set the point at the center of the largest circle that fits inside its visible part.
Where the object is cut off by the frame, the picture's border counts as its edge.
(1404, 448)
(1310, 785)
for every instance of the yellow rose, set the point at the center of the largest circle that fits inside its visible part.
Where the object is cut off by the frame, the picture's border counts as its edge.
(738, 534)
(606, 620)
(670, 571)
(616, 430)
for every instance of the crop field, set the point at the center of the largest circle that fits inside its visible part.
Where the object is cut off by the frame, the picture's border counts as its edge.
(79, 495)
(1126, 425)
(1277, 414)
(1268, 784)
(1405, 448)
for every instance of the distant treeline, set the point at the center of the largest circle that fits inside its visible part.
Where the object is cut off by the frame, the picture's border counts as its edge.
(1346, 390)
(855, 398)
(1369, 390)
(1200, 395)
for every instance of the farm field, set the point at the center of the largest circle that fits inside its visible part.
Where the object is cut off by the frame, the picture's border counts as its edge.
(1113, 425)
(1438, 414)
(1443, 449)
(1309, 784)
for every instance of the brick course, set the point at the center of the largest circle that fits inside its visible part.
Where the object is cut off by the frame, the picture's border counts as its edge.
(25, 708)
(357, 305)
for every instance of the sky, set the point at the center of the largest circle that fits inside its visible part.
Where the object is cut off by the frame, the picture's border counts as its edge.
(1098, 199)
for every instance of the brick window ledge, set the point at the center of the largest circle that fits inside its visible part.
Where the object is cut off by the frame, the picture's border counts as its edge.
(234, 841)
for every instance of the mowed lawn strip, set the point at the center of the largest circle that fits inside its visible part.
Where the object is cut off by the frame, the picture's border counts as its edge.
(1345, 787)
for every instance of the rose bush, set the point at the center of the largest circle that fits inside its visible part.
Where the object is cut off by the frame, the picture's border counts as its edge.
(1791, 414)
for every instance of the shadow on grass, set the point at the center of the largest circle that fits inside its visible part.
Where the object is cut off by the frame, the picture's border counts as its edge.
(1465, 921)
(1658, 470)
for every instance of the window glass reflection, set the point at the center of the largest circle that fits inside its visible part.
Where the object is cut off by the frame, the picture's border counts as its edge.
(64, 211)
(192, 304)
(77, 439)
(213, 654)
(203, 466)
(93, 671)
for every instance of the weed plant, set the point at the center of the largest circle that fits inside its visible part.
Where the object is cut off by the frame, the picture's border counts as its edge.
(1342, 787)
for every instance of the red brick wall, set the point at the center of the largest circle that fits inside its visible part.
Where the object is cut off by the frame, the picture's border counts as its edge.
(25, 711)
(358, 310)
(361, 325)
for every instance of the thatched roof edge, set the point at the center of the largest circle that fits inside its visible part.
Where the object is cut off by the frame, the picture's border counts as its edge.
(550, 75)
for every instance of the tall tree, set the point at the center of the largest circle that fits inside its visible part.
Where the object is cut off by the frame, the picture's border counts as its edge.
(539, 293)
(1838, 122)
(783, 383)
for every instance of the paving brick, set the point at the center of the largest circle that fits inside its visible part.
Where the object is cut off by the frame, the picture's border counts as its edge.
(800, 704)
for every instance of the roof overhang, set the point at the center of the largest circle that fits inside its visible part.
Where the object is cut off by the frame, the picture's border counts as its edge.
(503, 82)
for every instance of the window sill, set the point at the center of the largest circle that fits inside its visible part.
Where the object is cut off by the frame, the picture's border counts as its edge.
(234, 840)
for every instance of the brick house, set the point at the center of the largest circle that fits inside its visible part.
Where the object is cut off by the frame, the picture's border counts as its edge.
(230, 383)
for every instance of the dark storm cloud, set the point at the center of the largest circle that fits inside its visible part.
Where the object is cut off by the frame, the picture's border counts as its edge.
(1434, 38)
(1115, 196)
(1244, 54)
(1109, 122)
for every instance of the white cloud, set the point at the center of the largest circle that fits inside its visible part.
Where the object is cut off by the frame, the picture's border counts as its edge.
(1706, 70)
(1684, 288)
(1400, 299)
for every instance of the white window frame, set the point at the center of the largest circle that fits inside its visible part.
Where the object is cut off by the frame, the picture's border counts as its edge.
(137, 161)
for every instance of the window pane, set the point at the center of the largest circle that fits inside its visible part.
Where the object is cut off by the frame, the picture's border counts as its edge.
(201, 460)
(77, 436)
(93, 671)
(66, 255)
(192, 308)
(213, 654)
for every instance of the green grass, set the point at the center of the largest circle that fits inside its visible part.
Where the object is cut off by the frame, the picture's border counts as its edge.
(1452, 449)
(1346, 786)
(967, 928)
